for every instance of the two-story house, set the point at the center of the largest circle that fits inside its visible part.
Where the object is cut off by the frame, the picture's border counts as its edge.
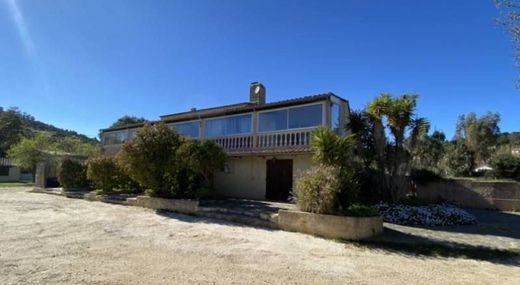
(268, 144)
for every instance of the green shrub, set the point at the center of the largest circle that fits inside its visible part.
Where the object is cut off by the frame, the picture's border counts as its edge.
(339, 152)
(359, 210)
(170, 166)
(72, 174)
(150, 159)
(424, 176)
(104, 173)
(458, 160)
(317, 190)
(506, 166)
(197, 162)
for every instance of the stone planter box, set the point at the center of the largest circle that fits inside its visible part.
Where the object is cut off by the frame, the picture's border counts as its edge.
(174, 205)
(329, 226)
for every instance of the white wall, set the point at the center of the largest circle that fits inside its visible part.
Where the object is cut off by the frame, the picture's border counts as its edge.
(246, 176)
(14, 175)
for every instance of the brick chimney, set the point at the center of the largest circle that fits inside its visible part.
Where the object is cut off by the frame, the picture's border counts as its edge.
(257, 93)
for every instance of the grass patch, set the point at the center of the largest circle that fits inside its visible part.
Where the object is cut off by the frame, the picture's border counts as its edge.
(507, 256)
(15, 184)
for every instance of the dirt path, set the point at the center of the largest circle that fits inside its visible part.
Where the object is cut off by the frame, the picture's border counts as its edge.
(47, 239)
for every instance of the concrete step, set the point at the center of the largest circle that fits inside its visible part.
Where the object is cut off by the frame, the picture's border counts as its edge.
(237, 218)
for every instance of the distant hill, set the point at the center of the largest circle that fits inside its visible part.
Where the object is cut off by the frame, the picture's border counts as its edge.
(15, 124)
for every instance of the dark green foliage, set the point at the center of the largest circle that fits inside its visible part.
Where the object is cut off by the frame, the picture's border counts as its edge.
(104, 173)
(361, 125)
(392, 158)
(72, 174)
(128, 120)
(11, 130)
(458, 159)
(197, 161)
(507, 166)
(334, 150)
(170, 166)
(30, 126)
(150, 159)
(424, 176)
(428, 152)
(360, 210)
(479, 134)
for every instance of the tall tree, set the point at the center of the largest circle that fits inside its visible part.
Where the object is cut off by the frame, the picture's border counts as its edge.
(10, 130)
(30, 151)
(429, 151)
(480, 135)
(393, 158)
(128, 120)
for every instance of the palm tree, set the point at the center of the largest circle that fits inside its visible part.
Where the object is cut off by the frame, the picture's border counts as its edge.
(394, 159)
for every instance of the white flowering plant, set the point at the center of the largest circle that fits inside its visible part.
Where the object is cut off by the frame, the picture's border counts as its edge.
(443, 214)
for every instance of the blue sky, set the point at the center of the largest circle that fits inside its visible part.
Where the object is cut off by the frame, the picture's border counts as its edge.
(82, 64)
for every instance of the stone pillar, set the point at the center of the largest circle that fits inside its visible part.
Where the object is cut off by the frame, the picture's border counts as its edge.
(40, 175)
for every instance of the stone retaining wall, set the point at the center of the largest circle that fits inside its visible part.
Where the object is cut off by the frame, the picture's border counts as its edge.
(174, 205)
(329, 226)
(499, 195)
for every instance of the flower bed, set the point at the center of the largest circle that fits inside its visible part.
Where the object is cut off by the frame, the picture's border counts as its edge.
(431, 215)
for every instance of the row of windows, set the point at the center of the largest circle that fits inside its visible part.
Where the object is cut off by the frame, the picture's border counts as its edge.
(279, 120)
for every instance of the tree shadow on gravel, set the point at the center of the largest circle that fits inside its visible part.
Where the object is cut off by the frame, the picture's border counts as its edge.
(425, 247)
(205, 220)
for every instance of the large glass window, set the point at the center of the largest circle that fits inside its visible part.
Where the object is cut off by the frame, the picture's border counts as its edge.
(272, 121)
(335, 117)
(189, 129)
(306, 116)
(228, 126)
(291, 118)
(115, 137)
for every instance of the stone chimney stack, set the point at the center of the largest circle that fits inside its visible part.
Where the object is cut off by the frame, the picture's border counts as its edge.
(257, 93)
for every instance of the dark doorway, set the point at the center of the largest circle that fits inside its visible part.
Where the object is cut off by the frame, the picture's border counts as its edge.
(279, 179)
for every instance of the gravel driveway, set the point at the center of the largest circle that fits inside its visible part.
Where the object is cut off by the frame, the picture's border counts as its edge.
(47, 239)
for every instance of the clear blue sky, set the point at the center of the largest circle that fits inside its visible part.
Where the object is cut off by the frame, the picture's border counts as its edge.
(82, 64)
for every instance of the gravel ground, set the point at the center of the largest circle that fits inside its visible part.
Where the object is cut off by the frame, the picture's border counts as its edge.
(47, 239)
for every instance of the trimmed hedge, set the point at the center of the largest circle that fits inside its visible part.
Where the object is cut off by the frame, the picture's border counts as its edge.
(72, 174)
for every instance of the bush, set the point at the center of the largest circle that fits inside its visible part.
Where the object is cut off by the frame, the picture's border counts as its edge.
(104, 173)
(359, 210)
(317, 190)
(506, 166)
(150, 159)
(423, 176)
(197, 162)
(458, 160)
(72, 174)
(339, 152)
(170, 166)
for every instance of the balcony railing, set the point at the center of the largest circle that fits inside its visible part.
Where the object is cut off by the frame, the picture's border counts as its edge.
(297, 140)
(286, 140)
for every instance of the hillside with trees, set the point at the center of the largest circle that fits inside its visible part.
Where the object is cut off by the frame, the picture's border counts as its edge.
(16, 125)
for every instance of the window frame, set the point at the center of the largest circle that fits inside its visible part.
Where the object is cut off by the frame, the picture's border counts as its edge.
(251, 131)
(323, 117)
(187, 122)
(112, 132)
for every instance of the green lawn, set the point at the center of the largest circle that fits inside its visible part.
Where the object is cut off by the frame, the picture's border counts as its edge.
(15, 184)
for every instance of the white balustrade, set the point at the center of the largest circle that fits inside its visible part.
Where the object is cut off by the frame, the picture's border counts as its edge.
(272, 140)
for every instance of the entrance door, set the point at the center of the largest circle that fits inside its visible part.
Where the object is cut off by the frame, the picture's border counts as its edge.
(279, 179)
